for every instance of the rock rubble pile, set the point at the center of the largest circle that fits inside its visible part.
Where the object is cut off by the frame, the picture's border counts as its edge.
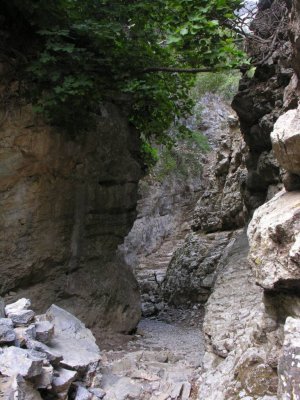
(48, 356)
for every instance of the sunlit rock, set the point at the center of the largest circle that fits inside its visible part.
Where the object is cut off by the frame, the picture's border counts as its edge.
(274, 242)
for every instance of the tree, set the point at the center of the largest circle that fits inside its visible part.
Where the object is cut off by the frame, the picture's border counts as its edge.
(82, 52)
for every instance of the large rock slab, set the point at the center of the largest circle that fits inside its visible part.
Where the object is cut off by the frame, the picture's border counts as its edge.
(236, 363)
(289, 363)
(52, 355)
(72, 339)
(286, 141)
(274, 242)
(15, 361)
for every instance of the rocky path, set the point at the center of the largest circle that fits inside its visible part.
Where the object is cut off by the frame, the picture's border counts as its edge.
(160, 363)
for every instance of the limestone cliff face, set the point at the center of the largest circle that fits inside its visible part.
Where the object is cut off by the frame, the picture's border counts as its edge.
(252, 318)
(261, 100)
(167, 197)
(218, 213)
(172, 263)
(66, 204)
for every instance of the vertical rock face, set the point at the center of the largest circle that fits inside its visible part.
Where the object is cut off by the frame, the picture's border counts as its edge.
(171, 262)
(252, 346)
(219, 212)
(261, 100)
(221, 206)
(66, 204)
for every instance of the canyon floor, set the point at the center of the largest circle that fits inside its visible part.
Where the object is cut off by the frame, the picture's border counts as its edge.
(161, 361)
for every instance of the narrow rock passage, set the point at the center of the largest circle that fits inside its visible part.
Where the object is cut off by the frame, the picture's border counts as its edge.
(161, 362)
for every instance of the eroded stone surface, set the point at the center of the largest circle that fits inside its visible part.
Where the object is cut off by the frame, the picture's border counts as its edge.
(192, 271)
(69, 334)
(286, 141)
(16, 361)
(44, 331)
(62, 379)
(236, 364)
(7, 334)
(17, 306)
(65, 207)
(17, 388)
(274, 242)
(289, 362)
(21, 318)
(24, 333)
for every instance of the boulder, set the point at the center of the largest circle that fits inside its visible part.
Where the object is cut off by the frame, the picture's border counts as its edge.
(286, 141)
(83, 394)
(72, 339)
(44, 331)
(22, 317)
(97, 393)
(289, 365)
(7, 322)
(7, 334)
(24, 333)
(16, 361)
(274, 242)
(52, 354)
(62, 380)
(291, 182)
(20, 305)
(44, 380)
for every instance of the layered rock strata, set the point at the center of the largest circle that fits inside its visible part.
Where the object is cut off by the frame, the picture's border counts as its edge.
(66, 204)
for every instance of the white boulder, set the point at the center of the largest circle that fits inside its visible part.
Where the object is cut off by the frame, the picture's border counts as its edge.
(286, 141)
(274, 242)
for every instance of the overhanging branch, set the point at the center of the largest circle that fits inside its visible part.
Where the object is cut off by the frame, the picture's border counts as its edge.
(190, 70)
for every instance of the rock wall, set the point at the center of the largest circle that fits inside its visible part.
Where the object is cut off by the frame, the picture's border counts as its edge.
(261, 99)
(66, 204)
(171, 262)
(219, 212)
(252, 317)
(167, 200)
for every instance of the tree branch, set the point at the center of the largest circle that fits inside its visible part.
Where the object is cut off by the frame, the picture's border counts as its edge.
(180, 70)
(187, 70)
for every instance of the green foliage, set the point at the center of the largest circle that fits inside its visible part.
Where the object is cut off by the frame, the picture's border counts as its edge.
(167, 165)
(222, 83)
(200, 141)
(183, 160)
(83, 52)
(150, 153)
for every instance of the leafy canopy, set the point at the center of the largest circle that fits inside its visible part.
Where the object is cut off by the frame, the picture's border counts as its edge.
(83, 52)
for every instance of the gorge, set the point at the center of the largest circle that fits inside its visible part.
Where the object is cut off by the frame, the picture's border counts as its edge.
(185, 274)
